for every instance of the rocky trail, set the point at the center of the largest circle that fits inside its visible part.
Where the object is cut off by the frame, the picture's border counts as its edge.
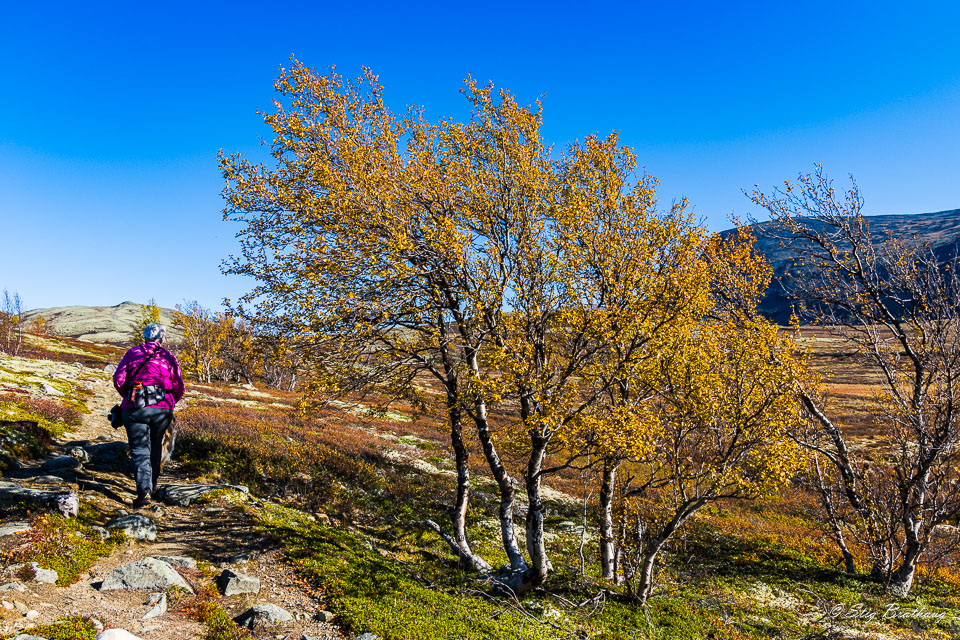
(177, 542)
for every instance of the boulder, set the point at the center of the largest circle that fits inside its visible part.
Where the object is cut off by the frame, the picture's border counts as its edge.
(80, 454)
(149, 573)
(262, 615)
(178, 561)
(47, 480)
(135, 526)
(14, 527)
(183, 495)
(60, 463)
(48, 576)
(117, 634)
(233, 583)
(109, 456)
(67, 503)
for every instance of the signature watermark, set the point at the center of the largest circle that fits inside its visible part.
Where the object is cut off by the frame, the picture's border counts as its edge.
(889, 613)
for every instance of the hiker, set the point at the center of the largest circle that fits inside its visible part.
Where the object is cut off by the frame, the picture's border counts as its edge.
(149, 379)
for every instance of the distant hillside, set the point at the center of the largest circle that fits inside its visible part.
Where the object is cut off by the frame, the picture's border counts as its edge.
(940, 229)
(112, 325)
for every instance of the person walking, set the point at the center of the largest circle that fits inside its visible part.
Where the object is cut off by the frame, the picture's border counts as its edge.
(149, 379)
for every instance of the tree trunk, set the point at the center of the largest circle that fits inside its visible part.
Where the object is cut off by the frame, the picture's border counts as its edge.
(607, 538)
(540, 566)
(901, 580)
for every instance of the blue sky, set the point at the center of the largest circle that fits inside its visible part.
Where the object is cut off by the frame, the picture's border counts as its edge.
(111, 115)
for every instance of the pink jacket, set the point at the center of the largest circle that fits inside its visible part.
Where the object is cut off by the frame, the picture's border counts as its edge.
(163, 369)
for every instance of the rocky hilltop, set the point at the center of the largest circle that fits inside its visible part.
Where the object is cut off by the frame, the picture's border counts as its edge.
(941, 229)
(110, 325)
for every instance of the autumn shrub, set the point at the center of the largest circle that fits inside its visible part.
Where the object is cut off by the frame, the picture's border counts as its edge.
(71, 628)
(63, 545)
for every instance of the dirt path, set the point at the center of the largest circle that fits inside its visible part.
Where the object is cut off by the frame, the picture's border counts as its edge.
(220, 536)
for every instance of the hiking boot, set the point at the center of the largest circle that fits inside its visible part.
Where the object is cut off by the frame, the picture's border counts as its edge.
(141, 502)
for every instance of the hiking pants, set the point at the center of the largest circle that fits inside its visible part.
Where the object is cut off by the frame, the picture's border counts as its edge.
(145, 429)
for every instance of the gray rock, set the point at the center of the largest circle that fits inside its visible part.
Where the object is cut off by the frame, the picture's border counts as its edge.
(367, 636)
(12, 586)
(67, 503)
(183, 495)
(60, 463)
(80, 454)
(48, 480)
(48, 576)
(135, 526)
(240, 558)
(108, 456)
(117, 634)
(50, 391)
(27, 636)
(14, 527)
(32, 614)
(110, 368)
(262, 615)
(178, 561)
(104, 436)
(6, 484)
(19, 606)
(323, 616)
(233, 583)
(104, 534)
(159, 607)
(149, 573)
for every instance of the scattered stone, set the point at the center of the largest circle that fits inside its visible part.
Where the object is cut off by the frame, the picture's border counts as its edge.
(159, 607)
(80, 454)
(96, 624)
(12, 586)
(48, 480)
(32, 614)
(183, 495)
(240, 558)
(135, 526)
(104, 436)
(48, 576)
(60, 463)
(6, 605)
(323, 616)
(367, 636)
(261, 615)
(14, 527)
(50, 391)
(19, 606)
(110, 368)
(117, 634)
(232, 583)
(27, 636)
(148, 573)
(104, 534)
(108, 456)
(179, 561)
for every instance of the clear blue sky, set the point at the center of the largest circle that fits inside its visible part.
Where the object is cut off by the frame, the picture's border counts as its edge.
(111, 116)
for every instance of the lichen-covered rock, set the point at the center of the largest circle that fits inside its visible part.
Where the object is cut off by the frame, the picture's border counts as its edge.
(48, 576)
(183, 495)
(135, 526)
(67, 503)
(178, 561)
(262, 615)
(159, 602)
(14, 527)
(233, 583)
(149, 573)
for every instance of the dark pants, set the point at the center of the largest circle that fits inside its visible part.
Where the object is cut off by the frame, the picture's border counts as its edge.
(145, 429)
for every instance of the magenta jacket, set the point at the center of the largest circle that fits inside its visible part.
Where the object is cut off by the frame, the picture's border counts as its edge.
(163, 369)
